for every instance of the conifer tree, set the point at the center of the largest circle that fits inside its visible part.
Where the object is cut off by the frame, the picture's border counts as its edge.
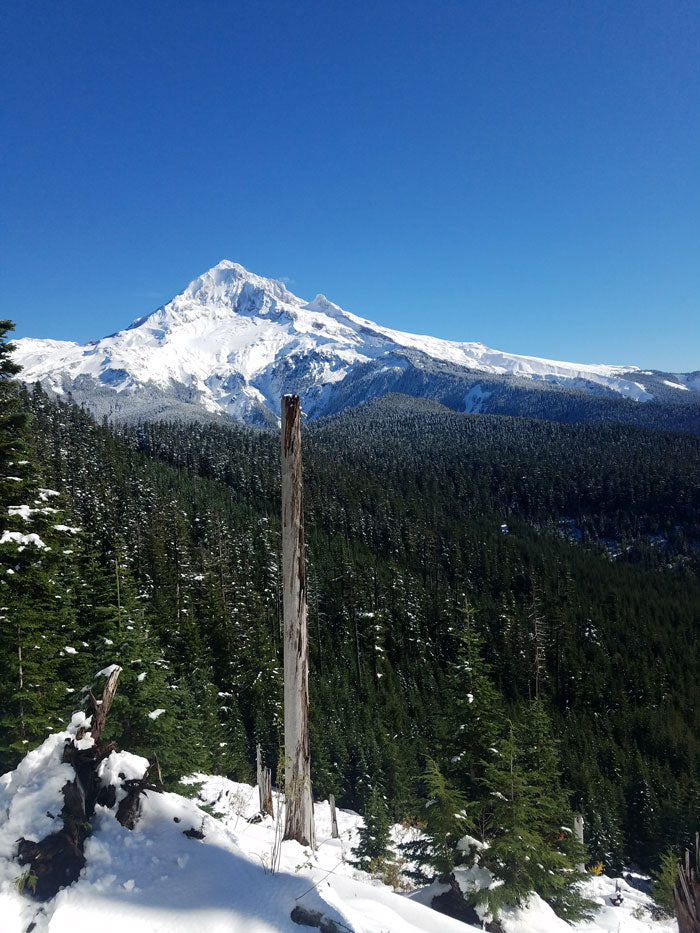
(445, 817)
(531, 843)
(36, 621)
(476, 716)
(374, 834)
(664, 879)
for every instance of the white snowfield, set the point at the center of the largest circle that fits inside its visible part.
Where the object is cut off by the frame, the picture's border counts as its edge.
(156, 880)
(236, 341)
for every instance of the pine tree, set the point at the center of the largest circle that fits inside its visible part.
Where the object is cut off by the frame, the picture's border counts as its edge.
(374, 834)
(445, 816)
(36, 617)
(531, 843)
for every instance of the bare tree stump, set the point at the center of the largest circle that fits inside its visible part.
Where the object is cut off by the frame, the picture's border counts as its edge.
(264, 786)
(334, 818)
(299, 817)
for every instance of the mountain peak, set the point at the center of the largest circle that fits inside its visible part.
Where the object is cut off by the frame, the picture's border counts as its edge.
(227, 279)
(321, 303)
(232, 342)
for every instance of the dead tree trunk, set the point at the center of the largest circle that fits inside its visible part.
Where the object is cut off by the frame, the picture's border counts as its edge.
(334, 818)
(686, 893)
(578, 830)
(266, 805)
(299, 819)
(264, 786)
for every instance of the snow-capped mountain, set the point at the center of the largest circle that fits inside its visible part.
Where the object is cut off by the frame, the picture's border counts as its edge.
(233, 342)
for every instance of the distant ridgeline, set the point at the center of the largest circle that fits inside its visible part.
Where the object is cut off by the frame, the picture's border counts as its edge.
(591, 600)
(232, 342)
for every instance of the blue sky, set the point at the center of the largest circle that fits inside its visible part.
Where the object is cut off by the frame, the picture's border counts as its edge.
(522, 173)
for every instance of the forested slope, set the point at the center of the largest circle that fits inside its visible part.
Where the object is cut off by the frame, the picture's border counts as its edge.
(589, 599)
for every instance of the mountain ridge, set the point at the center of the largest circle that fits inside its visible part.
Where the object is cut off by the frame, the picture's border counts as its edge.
(232, 342)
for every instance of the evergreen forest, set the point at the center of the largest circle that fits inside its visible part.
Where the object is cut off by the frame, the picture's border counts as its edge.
(503, 614)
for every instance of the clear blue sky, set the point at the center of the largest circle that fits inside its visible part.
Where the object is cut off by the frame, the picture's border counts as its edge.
(518, 172)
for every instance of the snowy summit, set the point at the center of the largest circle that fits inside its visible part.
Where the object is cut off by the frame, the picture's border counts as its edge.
(233, 342)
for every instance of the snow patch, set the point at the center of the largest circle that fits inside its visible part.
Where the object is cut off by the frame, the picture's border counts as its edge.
(675, 385)
(23, 541)
(475, 398)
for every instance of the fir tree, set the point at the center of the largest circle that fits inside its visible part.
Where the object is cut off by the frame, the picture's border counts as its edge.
(664, 879)
(531, 845)
(445, 815)
(476, 715)
(36, 617)
(374, 834)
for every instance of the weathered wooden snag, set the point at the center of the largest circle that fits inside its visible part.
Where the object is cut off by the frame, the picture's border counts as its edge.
(578, 830)
(264, 785)
(299, 819)
(334, 817)
(129, 809)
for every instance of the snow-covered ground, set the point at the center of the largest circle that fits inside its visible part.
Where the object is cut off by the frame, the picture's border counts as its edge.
(237, 878)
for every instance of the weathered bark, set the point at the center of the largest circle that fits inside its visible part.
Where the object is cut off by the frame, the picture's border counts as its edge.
(101, 708)
(686, 893)
(334, 818)
(299, 822)
(267, 804)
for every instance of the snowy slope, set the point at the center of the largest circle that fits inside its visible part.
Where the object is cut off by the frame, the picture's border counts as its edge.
(156, 880)
(232, 342)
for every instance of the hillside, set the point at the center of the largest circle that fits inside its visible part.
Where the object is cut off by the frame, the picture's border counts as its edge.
(592, 594)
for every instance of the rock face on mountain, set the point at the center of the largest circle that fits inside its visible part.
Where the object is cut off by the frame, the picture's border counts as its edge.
(233, 342)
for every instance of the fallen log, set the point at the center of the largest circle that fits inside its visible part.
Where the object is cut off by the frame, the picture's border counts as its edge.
(315, 919)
